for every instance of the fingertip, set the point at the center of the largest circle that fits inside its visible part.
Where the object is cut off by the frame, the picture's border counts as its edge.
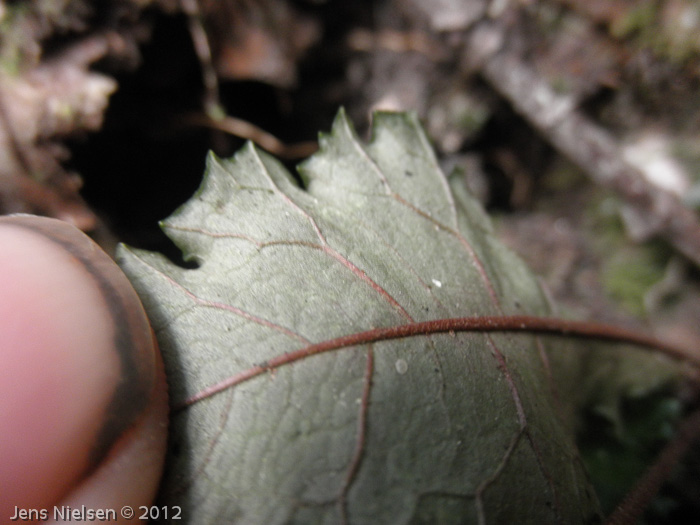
(127, 479)
(81, 385)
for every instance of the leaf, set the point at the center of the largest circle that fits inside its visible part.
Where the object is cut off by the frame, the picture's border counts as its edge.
(450, 428)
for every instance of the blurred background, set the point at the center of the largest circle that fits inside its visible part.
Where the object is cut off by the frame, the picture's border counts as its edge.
(575, 122)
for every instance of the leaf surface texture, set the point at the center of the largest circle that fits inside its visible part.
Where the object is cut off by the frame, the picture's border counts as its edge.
(449, 428)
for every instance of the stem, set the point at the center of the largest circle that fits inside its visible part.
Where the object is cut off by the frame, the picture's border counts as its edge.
(516, 323)
(638, 499)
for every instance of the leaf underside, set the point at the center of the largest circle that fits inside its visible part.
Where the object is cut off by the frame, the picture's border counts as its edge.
(451, 428)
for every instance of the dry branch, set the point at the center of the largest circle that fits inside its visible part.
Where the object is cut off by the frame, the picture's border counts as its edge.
(587, 144)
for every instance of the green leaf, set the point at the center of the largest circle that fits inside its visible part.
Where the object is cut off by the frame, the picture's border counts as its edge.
(451, 428)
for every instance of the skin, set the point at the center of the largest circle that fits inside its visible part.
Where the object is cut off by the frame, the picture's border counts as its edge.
(83, 397)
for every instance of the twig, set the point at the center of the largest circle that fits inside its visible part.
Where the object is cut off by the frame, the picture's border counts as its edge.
(215, 115)
(591, 147)
(212, 102)
(637, 500)
(397, 41)
(244, 129)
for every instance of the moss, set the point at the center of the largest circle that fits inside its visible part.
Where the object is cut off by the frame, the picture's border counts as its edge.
(561, 85)
(628, 270)
(13, 38)
(562, 176)
(472, 119)
(687, 151)
(630, 273)
(679, 37)
(668, 34)
(26, 24)
(614, 460)
(639, 19)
